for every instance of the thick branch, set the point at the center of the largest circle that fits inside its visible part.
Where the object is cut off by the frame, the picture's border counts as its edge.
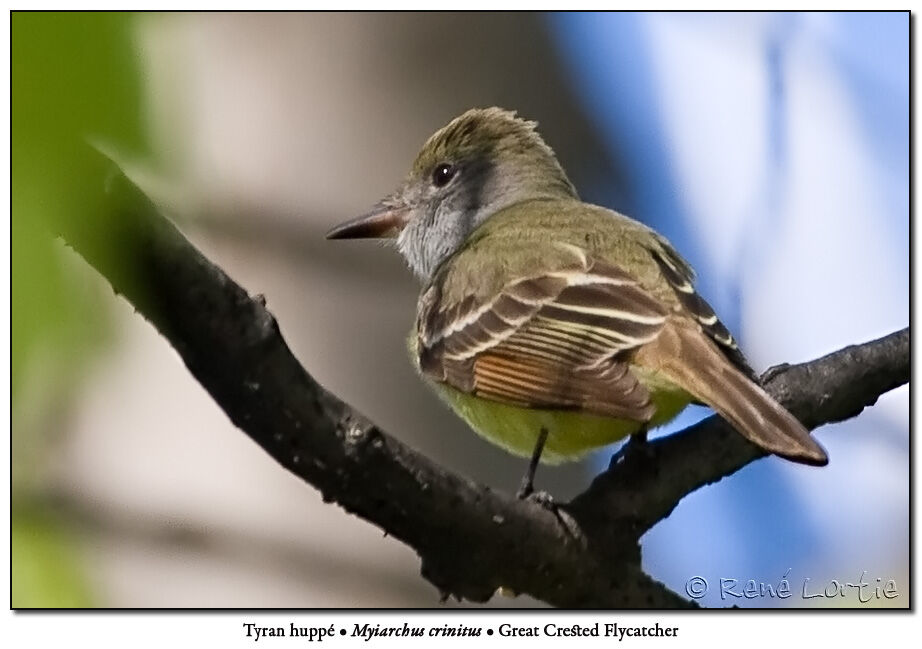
(471, 539)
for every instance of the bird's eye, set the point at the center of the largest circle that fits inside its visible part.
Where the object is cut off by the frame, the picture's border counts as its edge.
(443, 174)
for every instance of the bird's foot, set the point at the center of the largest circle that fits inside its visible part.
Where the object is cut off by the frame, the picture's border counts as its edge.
(526, 489)
(546, 501)
(542, 498)
(773, 371)
(637, 448)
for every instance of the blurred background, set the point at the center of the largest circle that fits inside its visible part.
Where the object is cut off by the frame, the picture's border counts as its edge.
(772, 149)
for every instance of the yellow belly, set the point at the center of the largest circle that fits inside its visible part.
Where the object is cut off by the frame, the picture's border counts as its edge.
(571, 434)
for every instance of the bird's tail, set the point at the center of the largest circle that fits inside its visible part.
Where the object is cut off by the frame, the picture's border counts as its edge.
(701, 369)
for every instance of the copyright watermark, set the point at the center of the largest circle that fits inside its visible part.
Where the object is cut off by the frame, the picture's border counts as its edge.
(864, 590)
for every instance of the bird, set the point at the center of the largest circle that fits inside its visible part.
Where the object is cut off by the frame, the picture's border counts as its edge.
(552, 326)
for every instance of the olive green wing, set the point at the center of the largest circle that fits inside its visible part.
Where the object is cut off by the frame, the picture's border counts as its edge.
(556, 340)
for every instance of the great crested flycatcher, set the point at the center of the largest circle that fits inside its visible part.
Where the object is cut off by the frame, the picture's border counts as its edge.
(552, 326)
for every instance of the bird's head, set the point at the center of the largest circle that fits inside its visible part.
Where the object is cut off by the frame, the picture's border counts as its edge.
(481, 162)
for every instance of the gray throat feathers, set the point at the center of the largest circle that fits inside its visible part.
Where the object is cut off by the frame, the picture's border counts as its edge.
(440, 230)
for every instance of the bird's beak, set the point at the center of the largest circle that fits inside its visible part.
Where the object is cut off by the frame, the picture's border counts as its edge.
(383, 222)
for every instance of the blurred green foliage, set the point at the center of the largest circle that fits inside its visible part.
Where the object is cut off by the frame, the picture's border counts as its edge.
(46, 570)
(75, 78)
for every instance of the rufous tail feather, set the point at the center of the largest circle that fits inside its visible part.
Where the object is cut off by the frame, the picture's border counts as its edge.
(698, 366)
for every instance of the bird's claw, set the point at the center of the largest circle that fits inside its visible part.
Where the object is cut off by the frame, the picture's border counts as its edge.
(542, 498)
(772, 372)
(546, 501)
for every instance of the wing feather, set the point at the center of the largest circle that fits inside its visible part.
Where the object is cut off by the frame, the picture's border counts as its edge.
(680, 277)
(554, 341)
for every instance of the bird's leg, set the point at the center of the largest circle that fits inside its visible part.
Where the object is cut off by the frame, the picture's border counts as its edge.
(637, 443)
(527, 487)
(640, 437)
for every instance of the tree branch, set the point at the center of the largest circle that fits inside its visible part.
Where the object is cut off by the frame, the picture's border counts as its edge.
(471, 540)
